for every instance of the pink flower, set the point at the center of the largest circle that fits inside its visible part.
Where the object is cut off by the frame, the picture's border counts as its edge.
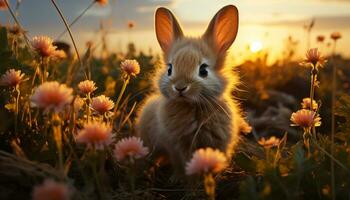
(87, 86)
(130, 67)
(102, 2)
(206, 161)
(52, 96)
(131, 147)
(102, 104)
(95, 135)
(335, 36)
(43, 46)
(51, 190)
(305, 119)
(11, 78)
(306, 104)
(271, 142)
(3, 5)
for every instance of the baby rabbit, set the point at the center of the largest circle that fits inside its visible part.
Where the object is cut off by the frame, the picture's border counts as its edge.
(194, 107)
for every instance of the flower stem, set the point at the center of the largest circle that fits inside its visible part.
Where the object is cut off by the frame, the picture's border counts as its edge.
(334, 87)
(18, 24)
(76, 19)
(312, 94)
(70, 35)
(97, 180)
(126, 82)
(57, 133)
(209, 185)
(18, 92)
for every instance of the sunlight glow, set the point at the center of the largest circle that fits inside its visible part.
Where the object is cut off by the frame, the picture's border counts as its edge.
(255, 46)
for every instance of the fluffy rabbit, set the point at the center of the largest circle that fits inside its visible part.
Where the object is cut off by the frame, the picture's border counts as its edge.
(193, 107)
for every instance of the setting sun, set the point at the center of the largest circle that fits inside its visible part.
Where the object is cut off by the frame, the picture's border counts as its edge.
(255, 46)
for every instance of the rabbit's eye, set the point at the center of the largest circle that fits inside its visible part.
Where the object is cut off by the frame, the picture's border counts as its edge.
(203, 72)
(170, 69)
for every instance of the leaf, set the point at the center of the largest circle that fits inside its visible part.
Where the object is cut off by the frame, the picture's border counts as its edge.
(4, 45)
(10, 107)
(245, 162)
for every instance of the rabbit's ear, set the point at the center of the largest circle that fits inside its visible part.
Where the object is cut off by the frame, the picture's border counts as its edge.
(222, 29)
(167, 28)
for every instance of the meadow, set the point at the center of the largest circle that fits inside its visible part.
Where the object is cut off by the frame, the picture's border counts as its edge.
(67, 126)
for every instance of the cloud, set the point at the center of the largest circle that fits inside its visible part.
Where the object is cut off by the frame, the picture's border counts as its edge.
(321, 22)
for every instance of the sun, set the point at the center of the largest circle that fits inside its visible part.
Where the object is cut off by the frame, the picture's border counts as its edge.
(255, 46)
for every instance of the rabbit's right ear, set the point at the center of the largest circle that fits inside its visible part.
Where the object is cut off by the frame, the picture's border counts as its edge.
(167, 28)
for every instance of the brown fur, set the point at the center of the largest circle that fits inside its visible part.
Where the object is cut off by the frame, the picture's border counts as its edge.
(206, 116)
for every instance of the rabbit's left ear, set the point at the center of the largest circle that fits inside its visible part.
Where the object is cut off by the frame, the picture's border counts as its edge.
(168, 29)
(222, 29)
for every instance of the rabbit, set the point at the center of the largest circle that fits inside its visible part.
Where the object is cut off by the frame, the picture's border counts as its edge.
(192, 106)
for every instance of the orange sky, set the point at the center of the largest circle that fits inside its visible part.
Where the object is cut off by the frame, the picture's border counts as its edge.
(268, 22)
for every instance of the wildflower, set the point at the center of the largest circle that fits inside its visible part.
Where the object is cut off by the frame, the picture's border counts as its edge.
(102, 104)
(102, 2)
(59, 54)
(206, 161)
(131, 147)
(95, 135)
(313, 57)
(87, 86)
(305, 119)
(271, 142)
(52, 95)
(51, 190)
(12, 78)
(15, 30)
(306, 104)
(131, 24)
(130, 67)
(3, 5)
(320, 38)
(335, 35)
(43, 46)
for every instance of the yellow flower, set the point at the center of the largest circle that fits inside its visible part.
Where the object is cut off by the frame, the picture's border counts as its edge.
(306, 104)
(271, 142)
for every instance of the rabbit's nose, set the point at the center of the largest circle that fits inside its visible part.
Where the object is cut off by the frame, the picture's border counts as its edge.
(181, 89)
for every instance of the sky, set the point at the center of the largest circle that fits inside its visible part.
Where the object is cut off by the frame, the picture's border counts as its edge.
(264, 24)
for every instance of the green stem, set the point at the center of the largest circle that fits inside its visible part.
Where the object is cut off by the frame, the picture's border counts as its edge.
(126, 82)
(16, 109)
(97, 180)
(312, 94)
(88, 111)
